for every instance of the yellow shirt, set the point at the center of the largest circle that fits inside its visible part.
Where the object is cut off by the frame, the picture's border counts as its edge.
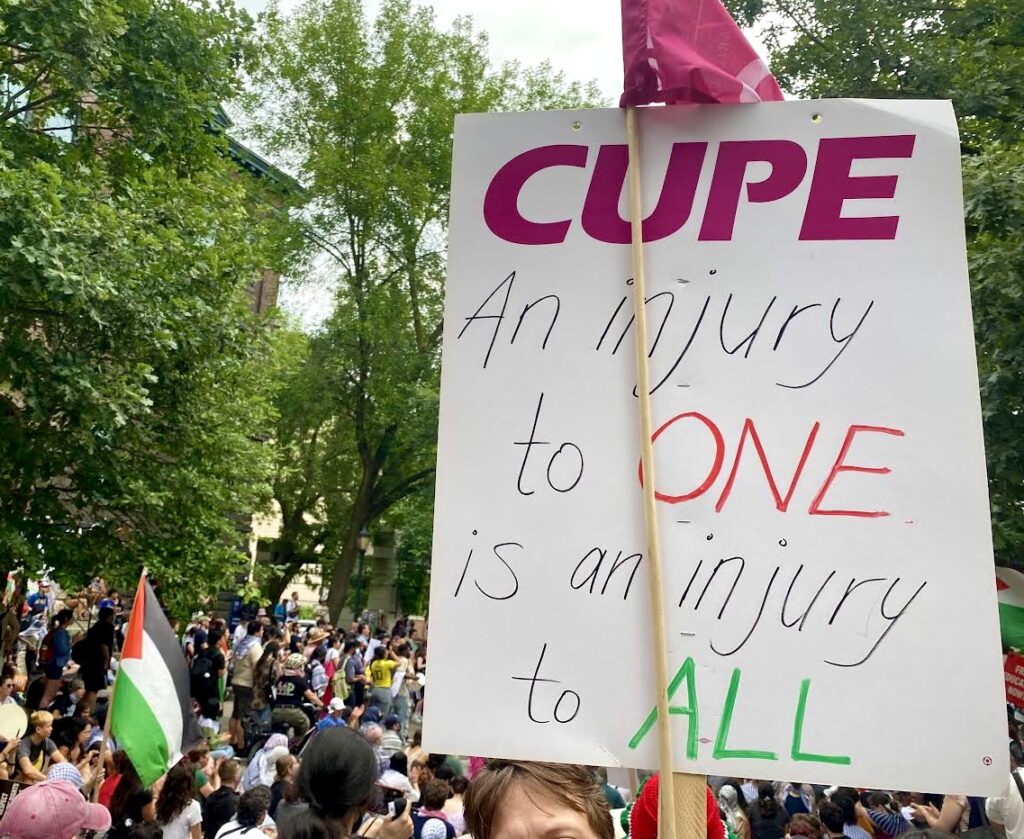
(381, 672)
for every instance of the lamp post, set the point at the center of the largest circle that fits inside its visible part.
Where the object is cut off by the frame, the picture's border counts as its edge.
(363, 544)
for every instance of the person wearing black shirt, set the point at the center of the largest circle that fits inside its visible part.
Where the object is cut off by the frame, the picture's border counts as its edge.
(292, 691)
(93, 655)
(222, 804)
(767, 817)
(218, 665)
(69, 699)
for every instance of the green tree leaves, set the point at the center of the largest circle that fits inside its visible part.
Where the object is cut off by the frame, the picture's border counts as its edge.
(970, 51)
(366, 110)
(134, 382)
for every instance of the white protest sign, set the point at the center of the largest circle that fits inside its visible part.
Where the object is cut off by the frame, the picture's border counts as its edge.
(823, 511)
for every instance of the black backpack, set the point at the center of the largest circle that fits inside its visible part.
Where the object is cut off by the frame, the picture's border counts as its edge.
(202, 678)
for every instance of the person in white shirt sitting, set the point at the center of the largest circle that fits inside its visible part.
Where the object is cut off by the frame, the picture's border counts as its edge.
(251, 817)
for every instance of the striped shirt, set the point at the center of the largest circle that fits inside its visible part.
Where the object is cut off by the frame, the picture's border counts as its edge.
(888, 823)
(853, 831)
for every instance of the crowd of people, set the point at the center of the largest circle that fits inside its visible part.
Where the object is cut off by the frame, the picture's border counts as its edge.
(310, 731)
(753, 809)
(284, 678)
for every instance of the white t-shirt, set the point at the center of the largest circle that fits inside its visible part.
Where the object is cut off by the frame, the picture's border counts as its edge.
(233, 830)
(182, 823)
(1008, 809)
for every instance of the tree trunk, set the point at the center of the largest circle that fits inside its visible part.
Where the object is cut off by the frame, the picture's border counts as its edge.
(349, 549)
(275, 588)
(342, 574)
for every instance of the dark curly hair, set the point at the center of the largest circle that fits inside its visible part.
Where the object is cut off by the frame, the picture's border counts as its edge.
(176, 794)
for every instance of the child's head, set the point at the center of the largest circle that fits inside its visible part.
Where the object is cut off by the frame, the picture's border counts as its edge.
(41, 723)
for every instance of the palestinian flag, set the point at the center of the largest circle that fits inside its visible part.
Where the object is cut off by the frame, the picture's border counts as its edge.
(152, 717)
(1010, 592)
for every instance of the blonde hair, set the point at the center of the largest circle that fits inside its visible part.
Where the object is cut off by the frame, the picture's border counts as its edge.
(284, 764)
(39, 719)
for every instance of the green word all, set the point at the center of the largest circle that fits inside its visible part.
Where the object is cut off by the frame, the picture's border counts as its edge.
(721, 750)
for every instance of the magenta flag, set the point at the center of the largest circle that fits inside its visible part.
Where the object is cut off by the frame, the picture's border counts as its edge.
(689, 51)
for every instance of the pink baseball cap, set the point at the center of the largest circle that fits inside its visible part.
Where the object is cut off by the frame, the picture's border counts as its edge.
(51, 810)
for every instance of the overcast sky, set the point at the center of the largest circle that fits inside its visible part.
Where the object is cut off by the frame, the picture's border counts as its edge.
(580, 37)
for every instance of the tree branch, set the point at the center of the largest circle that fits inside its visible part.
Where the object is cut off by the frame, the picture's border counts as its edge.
(28, 106)
(400, 490)
(13, 97)
(801, 25)
(328, 247)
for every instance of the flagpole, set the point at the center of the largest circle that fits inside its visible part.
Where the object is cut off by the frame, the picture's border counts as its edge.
(682, 808)
(106, 737)
(108, 721)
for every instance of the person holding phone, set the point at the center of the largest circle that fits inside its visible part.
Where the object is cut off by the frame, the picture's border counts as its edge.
(382, 671)
(9, 750)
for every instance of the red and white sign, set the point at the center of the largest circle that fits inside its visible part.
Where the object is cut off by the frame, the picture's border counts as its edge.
(822, 497)
(1013, 674)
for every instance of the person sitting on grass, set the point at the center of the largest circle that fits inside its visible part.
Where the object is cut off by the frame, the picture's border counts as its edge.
(251, 816)
(221, 804)
(338, 715)
(68, 700)
(37, 751)
(7, 757)
(391, 741)
(217, 741)
(71, 734)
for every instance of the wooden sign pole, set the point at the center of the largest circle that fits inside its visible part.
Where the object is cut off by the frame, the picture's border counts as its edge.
(682, 811)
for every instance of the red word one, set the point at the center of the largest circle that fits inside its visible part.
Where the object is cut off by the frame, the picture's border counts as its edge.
(781, 500)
